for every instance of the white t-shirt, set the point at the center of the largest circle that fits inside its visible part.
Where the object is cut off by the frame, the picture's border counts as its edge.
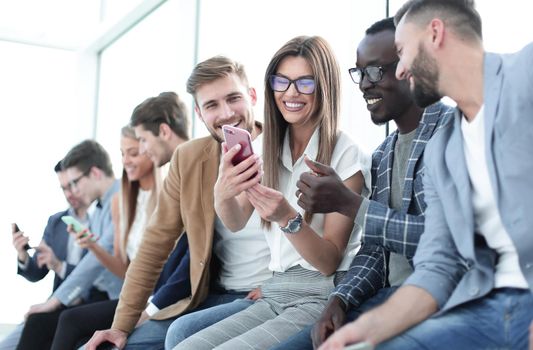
(347, 159)
(486, 215)
(244, 255)
(138, 225)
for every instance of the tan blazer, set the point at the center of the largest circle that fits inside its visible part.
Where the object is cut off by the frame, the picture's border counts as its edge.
(191, 179)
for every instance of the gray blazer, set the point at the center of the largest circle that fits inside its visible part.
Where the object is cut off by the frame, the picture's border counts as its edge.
(90, 272)
(452, 263)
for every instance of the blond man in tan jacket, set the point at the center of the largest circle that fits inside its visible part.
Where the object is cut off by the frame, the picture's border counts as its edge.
(186, 203)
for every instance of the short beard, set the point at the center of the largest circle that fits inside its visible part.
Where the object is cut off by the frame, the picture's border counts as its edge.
(425, 79)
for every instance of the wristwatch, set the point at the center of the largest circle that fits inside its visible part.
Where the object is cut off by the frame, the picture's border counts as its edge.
(294, 225)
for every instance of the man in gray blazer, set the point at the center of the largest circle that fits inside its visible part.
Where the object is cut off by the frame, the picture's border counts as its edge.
(474, 264)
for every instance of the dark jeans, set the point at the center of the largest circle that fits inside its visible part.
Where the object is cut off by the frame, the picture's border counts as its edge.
(39, 329)
(77, 325)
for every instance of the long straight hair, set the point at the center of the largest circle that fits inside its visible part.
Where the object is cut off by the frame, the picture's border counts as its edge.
(319, 55)
(129, 192)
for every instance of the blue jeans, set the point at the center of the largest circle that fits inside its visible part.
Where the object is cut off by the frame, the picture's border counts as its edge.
(500, 320)
(151, 334)
(302, 340)
(189, 324)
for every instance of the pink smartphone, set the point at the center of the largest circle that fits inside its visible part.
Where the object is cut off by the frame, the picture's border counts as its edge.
(234, 136)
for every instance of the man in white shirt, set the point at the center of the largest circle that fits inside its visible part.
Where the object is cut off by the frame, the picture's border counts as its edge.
(186, 204)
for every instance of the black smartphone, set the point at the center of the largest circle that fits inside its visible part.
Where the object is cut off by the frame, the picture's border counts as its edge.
(14, 229)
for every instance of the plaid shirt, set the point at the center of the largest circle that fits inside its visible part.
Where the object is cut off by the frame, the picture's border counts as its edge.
(385, 229)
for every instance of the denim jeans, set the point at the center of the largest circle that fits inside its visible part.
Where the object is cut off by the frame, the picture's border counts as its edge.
(302, 340)
(189, 324)
(151, 334)
(500, 320)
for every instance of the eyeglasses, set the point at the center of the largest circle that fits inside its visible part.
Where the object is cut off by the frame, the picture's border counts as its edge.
(304, 86)
(72, 184)
(374, 74)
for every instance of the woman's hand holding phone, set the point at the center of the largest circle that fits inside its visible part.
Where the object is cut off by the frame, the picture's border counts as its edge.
(271, 204)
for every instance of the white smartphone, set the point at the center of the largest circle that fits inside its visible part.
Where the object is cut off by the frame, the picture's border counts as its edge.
(360, 346)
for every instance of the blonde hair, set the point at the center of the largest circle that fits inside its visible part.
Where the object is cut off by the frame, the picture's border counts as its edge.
(317, 52)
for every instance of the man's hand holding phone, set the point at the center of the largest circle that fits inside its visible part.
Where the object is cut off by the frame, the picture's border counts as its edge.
(234, 179)
(240, 168)
(47, 257)
(21, 243)
(84, 237)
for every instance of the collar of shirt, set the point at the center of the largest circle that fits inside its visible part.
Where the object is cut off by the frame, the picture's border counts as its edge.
(106, 198)
(311, 150)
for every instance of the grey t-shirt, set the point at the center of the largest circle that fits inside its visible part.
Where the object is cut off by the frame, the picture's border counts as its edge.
(399, 268)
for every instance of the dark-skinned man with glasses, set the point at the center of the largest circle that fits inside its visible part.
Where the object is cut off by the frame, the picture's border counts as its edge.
(393, 217)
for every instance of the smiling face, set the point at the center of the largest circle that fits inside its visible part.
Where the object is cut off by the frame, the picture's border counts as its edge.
(416, 65)
(296, 108)
(135, 164)
(225, 101)
(388, 98)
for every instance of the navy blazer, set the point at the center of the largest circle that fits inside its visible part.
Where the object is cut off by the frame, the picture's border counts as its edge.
(56, 236)
(452, 263)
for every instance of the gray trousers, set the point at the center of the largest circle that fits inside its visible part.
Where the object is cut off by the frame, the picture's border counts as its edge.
(291, 300)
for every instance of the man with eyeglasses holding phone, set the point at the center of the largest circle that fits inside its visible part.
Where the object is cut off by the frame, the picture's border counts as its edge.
(393, 217)
(91, 178)
(57, 252)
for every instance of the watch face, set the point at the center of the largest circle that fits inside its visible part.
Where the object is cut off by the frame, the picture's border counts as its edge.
(294, 225)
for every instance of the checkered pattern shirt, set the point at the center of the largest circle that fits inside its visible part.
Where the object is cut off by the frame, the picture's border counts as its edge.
(385, 229)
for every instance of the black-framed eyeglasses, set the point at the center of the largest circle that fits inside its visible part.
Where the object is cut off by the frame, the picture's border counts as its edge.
(304, 86)
(72, 184)
(374, 74)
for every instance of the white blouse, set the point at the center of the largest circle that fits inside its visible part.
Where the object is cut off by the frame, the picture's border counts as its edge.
(138, 225)
(347, 159)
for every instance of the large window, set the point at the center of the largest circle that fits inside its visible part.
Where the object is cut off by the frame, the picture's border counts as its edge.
(40, 124)
(154, 56)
